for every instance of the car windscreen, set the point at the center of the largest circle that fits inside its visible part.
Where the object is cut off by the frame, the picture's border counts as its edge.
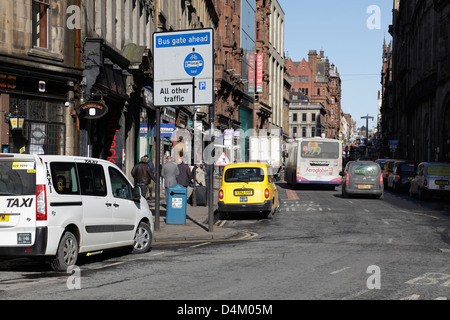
(365, 169)
(438, 171)
(406, 168)
(17, 177)
(320, 150)
(244, 174)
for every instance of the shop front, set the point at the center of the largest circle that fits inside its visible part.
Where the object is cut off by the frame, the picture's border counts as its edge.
(105, 117)
(33, 108)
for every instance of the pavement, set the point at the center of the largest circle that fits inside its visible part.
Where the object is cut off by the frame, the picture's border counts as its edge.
(196, 227)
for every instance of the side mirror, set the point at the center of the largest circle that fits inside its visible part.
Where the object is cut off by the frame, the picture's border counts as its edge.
(137, 194)
(341, 173)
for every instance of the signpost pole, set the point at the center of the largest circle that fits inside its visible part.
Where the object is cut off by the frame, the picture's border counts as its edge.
(157, 166)
(211, 173)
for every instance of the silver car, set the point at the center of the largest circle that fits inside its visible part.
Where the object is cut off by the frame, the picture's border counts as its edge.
(362, 178)
(431, 179)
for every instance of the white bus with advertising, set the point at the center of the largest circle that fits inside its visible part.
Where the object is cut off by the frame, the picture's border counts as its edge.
(314, 161)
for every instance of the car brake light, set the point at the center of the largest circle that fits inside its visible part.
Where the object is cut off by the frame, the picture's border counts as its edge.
(221, 194)
(41, 203)
(266, 193)
(347, 178)
(425, 182)
(381, 179)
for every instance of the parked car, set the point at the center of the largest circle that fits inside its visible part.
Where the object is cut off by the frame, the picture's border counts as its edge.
(431, 179)
(362, 178)
(61, 206)
(402, 174)
(381, 162)
(248, 187)
(387, 170)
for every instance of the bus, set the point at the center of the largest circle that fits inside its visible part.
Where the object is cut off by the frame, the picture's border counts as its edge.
(314, 161)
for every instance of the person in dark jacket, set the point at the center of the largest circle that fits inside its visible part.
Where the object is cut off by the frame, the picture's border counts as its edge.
(142, 175)
(185, 176)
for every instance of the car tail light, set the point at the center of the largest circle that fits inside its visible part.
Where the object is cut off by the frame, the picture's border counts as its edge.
(381, 179)
(41, 202)
(266, 193)
(425, 182)
(221, 194)
(347, 178)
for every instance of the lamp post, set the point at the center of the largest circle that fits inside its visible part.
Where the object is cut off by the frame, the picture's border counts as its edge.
(367, 133)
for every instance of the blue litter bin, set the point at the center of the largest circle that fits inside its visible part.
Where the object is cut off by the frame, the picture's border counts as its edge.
(176, 205)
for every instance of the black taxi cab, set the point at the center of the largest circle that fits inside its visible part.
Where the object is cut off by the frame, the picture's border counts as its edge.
(248, 187)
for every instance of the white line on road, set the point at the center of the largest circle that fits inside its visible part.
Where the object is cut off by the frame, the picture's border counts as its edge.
(340, 270)
(200, 244)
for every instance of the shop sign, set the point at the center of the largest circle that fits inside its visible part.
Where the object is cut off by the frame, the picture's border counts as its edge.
(167, 130)
(92, 110)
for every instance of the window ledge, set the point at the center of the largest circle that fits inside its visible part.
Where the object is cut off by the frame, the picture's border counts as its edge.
(45, 54)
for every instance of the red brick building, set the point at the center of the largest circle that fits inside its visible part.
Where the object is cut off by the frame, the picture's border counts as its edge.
(316, 81)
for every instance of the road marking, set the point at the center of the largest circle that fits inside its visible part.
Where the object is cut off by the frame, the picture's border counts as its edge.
(157, 254)
(109, 265)
(200, 244)
(352, 296)
(340, 270)
(412, 297)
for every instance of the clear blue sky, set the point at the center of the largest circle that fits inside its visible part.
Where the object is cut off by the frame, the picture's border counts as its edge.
(339, 27)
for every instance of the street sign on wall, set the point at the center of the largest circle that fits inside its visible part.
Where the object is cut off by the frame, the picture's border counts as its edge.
(183, 67)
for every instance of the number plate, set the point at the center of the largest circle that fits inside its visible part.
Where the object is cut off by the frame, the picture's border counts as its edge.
(243, 192)
(364, 186)
(243, 199)
(442, 182)
(4, 217)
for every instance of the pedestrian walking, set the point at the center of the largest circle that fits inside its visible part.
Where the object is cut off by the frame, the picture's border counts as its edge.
(185, 176)
(169, 172)
(142, 175)
(199, 175)
(151, 185)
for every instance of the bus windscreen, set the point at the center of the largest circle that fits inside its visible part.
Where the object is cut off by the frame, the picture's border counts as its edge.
(320, 150)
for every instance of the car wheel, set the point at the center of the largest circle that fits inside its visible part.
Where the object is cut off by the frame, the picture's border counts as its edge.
(142, 239)
(277, 209)
(67, 253)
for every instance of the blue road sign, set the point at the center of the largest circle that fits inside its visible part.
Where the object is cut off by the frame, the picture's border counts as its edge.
(193, 64)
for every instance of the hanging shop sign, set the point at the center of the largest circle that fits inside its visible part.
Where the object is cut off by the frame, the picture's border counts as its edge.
(92, 110)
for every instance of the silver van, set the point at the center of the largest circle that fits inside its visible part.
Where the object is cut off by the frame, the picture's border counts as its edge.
(431, 179)
(362, 178)
(63, 206)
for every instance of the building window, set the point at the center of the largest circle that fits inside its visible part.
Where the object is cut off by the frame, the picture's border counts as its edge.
(40, 23)
(304, 117)
(226, 28)
(304, 132)
(313, 132)
(294, 132)
(226, 61)
(306, 79)
(234, 34)
(295, 117)
(313, 117)
(318, 92)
